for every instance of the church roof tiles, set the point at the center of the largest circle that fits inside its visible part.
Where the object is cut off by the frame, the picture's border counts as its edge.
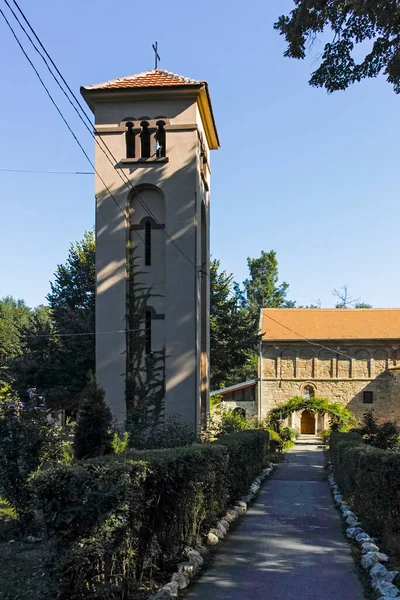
(153, 78)
(288, 324)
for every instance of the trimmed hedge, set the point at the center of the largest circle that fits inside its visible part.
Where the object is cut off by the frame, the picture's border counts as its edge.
(370, 480)
(119, 521)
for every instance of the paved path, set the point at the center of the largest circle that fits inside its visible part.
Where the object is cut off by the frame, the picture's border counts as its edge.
(290, 545)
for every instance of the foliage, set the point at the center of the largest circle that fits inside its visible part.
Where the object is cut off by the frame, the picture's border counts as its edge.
(168, 432)
(384, 435)
(145, 376)
(350, 24)
(225, 420)
(247, 456)
(261, 288)
(123, 520)
(325, 435)
(120, 442)
(339, 415)
(93, 435)
(57, 342)
(234, 335)
(14, 314)
(370, 481)
(28, 439)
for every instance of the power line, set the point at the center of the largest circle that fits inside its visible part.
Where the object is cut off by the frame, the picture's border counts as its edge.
(306, 339)
(127, 181)
(56, 334)
(46, 172)
(56, 106)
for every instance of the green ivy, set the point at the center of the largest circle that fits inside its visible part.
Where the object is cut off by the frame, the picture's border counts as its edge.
(340, 415)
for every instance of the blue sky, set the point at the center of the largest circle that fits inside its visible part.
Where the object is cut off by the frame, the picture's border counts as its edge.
(317, 180)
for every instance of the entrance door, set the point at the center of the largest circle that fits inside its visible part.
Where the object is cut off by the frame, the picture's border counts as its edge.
(307, 423)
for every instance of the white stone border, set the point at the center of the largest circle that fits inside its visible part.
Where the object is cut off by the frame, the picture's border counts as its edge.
(188, 569)
(380, 578)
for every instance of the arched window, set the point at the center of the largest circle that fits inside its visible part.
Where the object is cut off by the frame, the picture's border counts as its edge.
(147, 329)
(145, 139)
(160, 139)
(147, 243)
(308, 391)
(130, 140)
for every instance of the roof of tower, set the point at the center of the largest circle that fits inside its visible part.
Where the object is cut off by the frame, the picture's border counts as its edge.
(152, 78)
(158, 79)
(330, 324)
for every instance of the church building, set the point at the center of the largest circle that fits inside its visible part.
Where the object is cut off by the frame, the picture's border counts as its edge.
(351, 356)
(154, 133)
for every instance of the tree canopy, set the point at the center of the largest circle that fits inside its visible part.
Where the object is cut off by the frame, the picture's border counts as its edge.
(57, 342)
(261, 288)
(375, 24)
(233, 332)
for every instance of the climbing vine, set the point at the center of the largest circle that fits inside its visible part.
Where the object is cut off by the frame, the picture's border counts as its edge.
(340, 416)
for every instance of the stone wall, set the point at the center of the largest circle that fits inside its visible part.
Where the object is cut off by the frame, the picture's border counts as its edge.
(341, 373)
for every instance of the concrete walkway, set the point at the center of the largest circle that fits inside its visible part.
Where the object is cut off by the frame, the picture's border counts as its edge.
(290, 545)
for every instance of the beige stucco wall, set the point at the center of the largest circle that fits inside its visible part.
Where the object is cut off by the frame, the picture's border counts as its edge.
(341, 374)
(178, 281)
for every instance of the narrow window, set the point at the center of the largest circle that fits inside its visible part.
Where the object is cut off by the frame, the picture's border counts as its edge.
(145, 139)
(147, 243)
(309, 392)
(160, 139)
(148, 332)
(368, 397)
(130, 140)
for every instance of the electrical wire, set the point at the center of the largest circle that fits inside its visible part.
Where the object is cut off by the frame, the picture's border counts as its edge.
(46, 172)
(57, 107)
(127, 181)
(57, 335)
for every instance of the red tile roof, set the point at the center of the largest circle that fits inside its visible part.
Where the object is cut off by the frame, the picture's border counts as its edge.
(330, 324)
(153, 78)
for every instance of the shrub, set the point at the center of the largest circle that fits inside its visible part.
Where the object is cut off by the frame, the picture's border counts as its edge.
(370, 480)
(169, 432)
(226, 420)
(247, 455)
(28, 439)
(93, 436)
(121, 518)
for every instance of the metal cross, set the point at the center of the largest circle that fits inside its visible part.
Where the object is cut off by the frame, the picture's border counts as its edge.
(157, 56)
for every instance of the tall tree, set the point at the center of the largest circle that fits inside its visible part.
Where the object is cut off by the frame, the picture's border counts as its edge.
(58, 342)
(262, 288)
(350, 23)
(14, 315)
(233, 332)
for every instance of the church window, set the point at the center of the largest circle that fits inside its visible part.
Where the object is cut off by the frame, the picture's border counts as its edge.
(145, 139)
(368, 397)
(130, 140)
(160, 139)
(308, 392)
(148, 332)
(147, 243)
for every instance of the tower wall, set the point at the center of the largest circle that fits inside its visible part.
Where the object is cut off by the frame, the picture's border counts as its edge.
(183, 302)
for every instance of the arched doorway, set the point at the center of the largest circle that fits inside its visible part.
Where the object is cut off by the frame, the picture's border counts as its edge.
(307, 423)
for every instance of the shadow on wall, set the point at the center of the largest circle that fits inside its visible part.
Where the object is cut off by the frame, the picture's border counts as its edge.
(112, 273)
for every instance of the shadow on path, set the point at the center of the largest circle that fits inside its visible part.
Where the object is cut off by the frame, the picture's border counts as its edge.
(289, 546)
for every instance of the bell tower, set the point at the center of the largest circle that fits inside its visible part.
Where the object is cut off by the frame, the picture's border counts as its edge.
(154, 132)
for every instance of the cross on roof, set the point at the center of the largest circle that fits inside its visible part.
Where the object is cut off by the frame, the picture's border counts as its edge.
(157, 56)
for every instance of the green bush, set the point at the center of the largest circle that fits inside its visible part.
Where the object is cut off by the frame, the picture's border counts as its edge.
(247, 456)
(93, 436)
(28, 439)
(370, 480)
(118, 520)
